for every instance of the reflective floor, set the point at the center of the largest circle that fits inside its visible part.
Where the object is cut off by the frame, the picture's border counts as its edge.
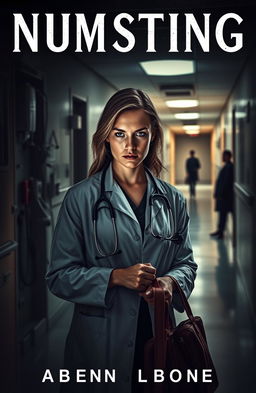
(218, 298)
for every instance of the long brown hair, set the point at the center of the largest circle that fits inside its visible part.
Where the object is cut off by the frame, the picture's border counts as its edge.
(122, 100)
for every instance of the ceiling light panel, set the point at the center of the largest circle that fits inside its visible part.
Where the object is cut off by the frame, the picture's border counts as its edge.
(182, 103)
(168, 67)
(191, 128)
(186, 116)
(192, 132)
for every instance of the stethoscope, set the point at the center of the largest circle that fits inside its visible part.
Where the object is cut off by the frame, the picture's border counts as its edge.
(158, 195)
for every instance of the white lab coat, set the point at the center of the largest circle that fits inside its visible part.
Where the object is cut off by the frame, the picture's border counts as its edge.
(103, 329)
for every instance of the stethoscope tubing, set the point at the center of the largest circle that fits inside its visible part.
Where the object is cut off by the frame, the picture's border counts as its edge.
(175, 237)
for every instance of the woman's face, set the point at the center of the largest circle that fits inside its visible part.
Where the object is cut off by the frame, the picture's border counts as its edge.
(130, 138)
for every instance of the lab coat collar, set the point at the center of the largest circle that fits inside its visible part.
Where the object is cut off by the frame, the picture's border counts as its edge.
(110, 183)
(120, 202)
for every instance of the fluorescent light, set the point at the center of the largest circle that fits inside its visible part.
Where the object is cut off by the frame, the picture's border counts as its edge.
(186, 116)
(191, 128)
(181, 103)
(191, 132)
(168, 67)
(240, 115)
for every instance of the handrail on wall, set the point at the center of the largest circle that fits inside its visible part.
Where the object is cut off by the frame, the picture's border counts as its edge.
(7, 248)
(244, 194)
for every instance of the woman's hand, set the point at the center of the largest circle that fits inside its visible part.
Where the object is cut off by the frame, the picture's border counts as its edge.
(168, 286)
(138, 277)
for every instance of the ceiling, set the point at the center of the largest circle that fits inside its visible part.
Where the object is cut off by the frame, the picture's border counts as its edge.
(215, 71)
(213, 81)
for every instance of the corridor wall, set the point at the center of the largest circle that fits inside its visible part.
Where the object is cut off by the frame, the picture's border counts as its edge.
(239, 118)
(65, 76)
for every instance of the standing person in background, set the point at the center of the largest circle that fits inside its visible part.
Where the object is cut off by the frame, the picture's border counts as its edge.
(192, 166)
(224, 193)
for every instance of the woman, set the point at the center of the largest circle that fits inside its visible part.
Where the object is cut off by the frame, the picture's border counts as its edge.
(107, 266)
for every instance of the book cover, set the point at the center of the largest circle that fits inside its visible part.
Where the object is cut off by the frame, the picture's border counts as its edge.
(60, 64)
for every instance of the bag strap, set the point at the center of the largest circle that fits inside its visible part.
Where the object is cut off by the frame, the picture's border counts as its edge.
(160, 327)
(162, 324)
(183, 298)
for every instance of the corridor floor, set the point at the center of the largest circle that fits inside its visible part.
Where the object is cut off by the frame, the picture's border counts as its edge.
(218, 298)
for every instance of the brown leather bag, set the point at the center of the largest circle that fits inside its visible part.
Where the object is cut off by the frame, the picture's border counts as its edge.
(179, 348)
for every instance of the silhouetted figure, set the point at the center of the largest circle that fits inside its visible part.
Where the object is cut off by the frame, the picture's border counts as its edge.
(224, 193)
(192, 166)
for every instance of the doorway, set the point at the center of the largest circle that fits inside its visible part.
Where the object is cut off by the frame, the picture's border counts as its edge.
(79, 129)
(201, 146)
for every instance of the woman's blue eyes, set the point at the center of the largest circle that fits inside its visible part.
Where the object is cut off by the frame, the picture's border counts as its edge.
(119, 134)
(122, 134)
(141, 133)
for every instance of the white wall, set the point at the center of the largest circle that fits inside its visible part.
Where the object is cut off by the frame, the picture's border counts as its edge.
(201, 145)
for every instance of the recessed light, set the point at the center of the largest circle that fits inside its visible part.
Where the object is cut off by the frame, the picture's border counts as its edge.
(168, 67)
(186, 116)
(195, 132)
(191, 128)
(182, 103)
(240, 115)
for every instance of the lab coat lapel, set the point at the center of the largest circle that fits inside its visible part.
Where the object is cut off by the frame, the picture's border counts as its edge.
(119, 201)
(157, 205)
(116, 195)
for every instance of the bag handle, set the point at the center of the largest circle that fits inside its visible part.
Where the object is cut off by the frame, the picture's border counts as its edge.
(184, 300)
(160, 322)
(163, 323)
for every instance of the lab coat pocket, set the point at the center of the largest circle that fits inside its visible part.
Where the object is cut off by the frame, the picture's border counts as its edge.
(87, 341)
(92, 326)
(91, 311)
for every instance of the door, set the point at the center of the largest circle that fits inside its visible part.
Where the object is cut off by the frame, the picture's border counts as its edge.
(79, 129)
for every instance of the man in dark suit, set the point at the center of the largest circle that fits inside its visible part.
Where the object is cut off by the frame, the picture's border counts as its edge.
(224, 193)
(192, 166)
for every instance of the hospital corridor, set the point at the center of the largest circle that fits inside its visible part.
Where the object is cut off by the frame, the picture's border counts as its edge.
(230, 337)
(204, 112)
